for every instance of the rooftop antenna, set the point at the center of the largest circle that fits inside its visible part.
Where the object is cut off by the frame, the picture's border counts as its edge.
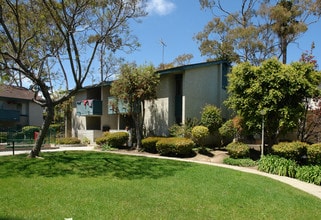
(163, 46)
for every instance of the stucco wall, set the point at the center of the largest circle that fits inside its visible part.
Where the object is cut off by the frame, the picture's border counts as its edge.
(35, 114)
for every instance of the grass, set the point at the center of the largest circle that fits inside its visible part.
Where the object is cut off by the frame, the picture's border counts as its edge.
(97, 185)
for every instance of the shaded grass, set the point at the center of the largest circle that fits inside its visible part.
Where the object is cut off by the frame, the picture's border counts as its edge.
(93, 185)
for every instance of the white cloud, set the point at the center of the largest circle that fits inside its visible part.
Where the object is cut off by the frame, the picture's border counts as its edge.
(160, 7)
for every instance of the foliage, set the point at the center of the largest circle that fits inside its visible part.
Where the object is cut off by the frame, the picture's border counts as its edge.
(211, 118)
(184, 130)
(227, 131)
(275, 88)
(199, 133)
(37, 35)
(290, 150)
(248, 34)
(277, 165)
(245, 162)
(149, 144)
(113, 139)
(68, 140)
(238, 150)
(314, 154)
(134, 86)
(175, 146)
(310, 174)
(30, 130)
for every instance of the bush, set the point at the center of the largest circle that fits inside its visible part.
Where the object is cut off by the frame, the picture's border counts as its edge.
(211, 118)
(68, 140)
(199, 133)
(227, 130)
(310, 174)
(183, 130)
(29, 131)
(149, 144)
(277, 165)
(115, 139)
(314, 154)
(240, 162)
(290, 150)
(238, 150)
(175, 146)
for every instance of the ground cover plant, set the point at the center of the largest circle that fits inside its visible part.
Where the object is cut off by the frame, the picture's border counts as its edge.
(100, 185)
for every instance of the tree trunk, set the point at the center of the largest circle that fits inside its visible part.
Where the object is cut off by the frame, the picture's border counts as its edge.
(137, 118)
(43, 132)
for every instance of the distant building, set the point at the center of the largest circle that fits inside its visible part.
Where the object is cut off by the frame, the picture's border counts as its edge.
(17, 108)
(182, 93)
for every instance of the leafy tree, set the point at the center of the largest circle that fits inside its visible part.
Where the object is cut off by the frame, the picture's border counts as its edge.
(310, 122)
(134, 86)
(52, 42)
(248, 35)
(275, 88)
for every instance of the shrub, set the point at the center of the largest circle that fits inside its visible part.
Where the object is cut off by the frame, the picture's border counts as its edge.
(199, 133)
(238, 150)
(314, 154)
(277, 165)
(55, 127)
(68, 140)
(175, 146)
(310, 174)
(149, 144)
(183, 130)
(30, 130)
(115, 139)
(246, 162)
(290, 150)
(227, 130)
(211, 118)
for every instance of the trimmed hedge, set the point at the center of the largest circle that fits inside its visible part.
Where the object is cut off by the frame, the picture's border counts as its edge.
(199, 133)
(68, 140)
(314, 154)
(238, 150)
(115, 139)
(30, 130)
(175, 146)
(278, 165)
(290, 150)
(149, 144)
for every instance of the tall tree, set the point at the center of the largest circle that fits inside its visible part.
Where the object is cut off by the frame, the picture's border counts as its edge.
(248, 35)
(275, 88)
(134, 86)
(65, 34)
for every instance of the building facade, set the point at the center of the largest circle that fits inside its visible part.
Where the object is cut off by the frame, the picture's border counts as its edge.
(17, 108)
(182, 93)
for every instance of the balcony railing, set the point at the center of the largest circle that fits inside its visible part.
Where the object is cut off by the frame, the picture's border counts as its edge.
(89, 107)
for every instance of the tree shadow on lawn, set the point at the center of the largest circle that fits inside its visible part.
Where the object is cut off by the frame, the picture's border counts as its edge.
(89, 164)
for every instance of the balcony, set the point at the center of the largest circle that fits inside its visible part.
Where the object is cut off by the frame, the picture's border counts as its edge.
(89, 107)
(9, 115)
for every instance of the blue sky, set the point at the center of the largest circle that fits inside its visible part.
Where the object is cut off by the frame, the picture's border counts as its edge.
(177, 21)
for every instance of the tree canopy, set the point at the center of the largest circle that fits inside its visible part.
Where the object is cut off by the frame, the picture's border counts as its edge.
(134, 86)
(248, 34)
(274, 88)
(53, 42)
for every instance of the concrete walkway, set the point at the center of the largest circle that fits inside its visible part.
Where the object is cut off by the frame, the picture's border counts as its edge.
(306, 187)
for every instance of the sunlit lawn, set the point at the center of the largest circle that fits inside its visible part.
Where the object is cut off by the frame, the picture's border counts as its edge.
(96, 185)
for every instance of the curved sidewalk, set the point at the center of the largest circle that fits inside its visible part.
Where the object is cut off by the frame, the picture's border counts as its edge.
(306, 187)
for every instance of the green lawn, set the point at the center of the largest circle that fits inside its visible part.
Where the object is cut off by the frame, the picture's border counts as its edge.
(97, 185)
